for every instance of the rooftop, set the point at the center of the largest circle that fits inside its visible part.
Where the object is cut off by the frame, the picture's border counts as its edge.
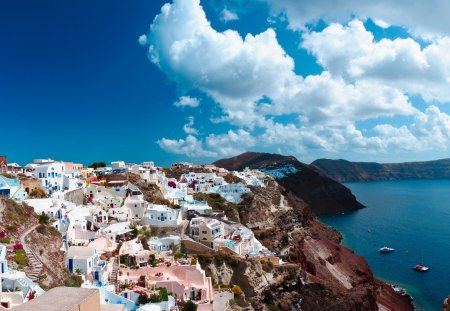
(61, 299)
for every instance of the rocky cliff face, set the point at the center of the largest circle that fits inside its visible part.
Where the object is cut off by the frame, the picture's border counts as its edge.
(342, 170)
(320, 274)
(322, 194)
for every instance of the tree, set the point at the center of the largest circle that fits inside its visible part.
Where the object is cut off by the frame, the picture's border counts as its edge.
(189, 306)
(174, 248)
(152, 260)
(96, 165)
(44, 219)
(143, 299)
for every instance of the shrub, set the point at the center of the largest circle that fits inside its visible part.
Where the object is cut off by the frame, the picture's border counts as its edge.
(236, 290)
(44, 219)
(163, 293)
(189, 306)
(20, 257)
(5, 240)
(267, 265)
(194, 261)
(178, 255)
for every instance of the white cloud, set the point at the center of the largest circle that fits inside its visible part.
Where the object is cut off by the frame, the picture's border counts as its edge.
(142, 40)
(223, 145)
(253, 80)
(427, 19)
(187, 101)
(188, 127)
(226, 15)
(191, 146)
(236, 72)
(351, 51)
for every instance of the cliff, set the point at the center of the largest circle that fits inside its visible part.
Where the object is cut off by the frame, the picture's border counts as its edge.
(318, 274)
(342, 170)
(322, 194)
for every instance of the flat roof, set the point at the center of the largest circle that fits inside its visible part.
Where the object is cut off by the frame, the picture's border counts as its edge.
(58, 299)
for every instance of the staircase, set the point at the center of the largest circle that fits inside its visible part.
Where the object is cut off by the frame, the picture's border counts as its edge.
(114, 274)
(36, 267)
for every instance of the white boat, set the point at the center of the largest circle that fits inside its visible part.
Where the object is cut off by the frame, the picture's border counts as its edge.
(385, 249)
(421, 268)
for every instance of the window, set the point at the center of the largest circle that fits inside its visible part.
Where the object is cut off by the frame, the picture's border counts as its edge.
(204, 232)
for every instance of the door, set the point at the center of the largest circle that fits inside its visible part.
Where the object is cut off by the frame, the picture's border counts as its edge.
(71, 265)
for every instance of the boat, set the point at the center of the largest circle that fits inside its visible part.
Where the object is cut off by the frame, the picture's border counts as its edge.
(385, 249)
(421, 268)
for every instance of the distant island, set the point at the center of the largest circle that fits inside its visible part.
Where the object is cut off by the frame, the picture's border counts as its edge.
(343, 171)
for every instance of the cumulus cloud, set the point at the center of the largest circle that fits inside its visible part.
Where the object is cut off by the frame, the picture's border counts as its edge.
(406, 13)
(223, 145)
(188, 127)
(351, 51)
(187, 101)
(191, 146)
(236, 72)
(253, 81)
(226, 15)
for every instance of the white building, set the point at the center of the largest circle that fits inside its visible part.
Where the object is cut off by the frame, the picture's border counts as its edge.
(118, 165)
(135, 208)
(162, 216)
(199, 207)
(12, 188)
(134, 248)
(163, 243)
(77, 231)
(51, 174)
(86, 260)
(232, 192)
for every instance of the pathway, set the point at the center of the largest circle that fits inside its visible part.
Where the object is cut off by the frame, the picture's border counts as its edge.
(35, 265)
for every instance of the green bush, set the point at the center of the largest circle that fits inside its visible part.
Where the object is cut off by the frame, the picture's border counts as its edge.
(189, 306)
(163, 293)
(20, 257)
(178, 255)
(5, 240)
(44, 219)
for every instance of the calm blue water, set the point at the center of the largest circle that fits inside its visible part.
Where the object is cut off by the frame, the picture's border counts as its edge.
(414, 218)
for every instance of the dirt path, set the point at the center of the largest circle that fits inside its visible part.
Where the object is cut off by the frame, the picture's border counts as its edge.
(35, 266)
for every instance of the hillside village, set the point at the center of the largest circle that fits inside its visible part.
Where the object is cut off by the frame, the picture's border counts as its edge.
(134, 232)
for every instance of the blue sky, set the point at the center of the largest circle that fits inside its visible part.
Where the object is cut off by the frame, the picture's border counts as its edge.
(277, 76)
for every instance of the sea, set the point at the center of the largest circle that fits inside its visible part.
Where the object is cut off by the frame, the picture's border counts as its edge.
(411, 216)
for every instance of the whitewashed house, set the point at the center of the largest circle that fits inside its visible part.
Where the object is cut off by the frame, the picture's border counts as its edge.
(200, 207)
(136, 208)
(134, 248)
(77, 226)
(50, 173)
(232, 192)
(163, 243)
(86, 260)
(162, 216)
(11, 188)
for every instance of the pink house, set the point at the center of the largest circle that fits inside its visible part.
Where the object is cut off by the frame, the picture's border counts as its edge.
(188, 282)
